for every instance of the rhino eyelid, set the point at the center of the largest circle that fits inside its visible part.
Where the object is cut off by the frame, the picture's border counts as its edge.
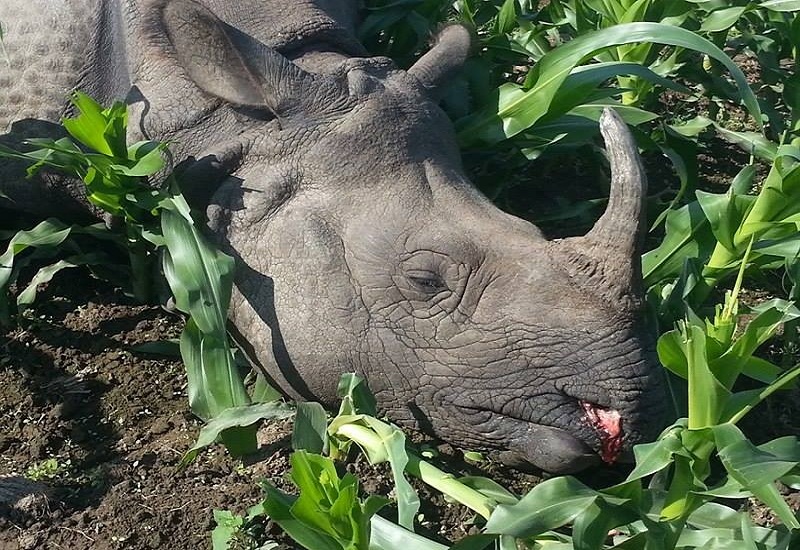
(427, 281)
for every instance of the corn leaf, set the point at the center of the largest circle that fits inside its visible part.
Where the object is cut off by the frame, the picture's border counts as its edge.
(46, 274)
(232, 418)
(278, 505)
(549, 505)
(722, 19)
(387, 535)
(517, 109)
(781, 5)
(757, 469)
(310, 431)
(214, 383)
(200, 276)
(89, 127)
(394, 443)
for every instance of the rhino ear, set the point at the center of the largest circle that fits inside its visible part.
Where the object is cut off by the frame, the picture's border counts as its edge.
(448, 54)
(227, 63)
(207, 54)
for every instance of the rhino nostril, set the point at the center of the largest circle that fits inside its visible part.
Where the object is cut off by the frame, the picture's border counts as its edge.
(608, 425)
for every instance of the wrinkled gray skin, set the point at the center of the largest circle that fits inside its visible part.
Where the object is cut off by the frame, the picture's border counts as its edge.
(336, 183)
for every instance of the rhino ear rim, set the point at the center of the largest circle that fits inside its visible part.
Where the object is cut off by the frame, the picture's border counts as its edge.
(204, 50)
(235, 67)
(451, 49)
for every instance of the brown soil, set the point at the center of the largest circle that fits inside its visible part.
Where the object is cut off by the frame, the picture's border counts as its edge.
(115, 423)
(93, 432)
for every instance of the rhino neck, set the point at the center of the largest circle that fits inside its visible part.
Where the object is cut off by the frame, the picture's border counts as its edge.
(105, 75)
(297, 25)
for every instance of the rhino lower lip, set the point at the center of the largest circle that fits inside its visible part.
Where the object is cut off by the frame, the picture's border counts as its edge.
(549, 448)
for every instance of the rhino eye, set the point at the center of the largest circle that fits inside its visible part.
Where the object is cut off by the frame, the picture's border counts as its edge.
(426, 281)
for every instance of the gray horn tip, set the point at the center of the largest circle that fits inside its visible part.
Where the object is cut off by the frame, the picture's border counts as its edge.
(611, 122)
(619, 141)
(455, 33)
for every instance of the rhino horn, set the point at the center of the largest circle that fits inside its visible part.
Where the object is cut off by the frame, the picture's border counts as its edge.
(608, 256)
(448, 54)
(231, 65)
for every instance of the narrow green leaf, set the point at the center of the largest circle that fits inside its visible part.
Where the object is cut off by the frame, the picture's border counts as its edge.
(48, 233)
(277, 506)
(147, 157)
(214, 382)
(757, 469)
(46, 274)
(394, 441)
(320, 487)
(507, 17)
(672, 353)
(713, 514)
(549, 505)
(654, 457)
(707, 396)
(688, 234)
(90, 125)
(722, 19)
(781, 5)
(517, 110)
(263, 392)
(235, 417)
(353, 390)
(200, 276)
(490, 488)
(387, 535)
(310, 432)
(751, 142)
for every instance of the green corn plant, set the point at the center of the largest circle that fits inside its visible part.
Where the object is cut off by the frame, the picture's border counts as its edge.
(519, 108)
(44, 242)
(155, 220)
(380, 442)
(707, 240)
(667, 502)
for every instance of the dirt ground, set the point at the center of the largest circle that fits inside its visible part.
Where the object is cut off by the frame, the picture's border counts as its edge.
(92, 433)
(102, 429)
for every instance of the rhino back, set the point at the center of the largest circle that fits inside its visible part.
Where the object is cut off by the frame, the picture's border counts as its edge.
(47, 44)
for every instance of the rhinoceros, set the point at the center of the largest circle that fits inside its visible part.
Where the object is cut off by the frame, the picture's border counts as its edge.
(335, 181)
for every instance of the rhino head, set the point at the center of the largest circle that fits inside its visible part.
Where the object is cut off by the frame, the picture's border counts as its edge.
(362, 246)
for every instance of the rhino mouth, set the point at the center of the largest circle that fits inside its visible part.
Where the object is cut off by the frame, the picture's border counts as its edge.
(598, 436)
(607, 423)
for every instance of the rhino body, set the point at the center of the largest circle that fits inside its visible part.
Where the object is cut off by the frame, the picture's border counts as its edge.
(335, 181)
